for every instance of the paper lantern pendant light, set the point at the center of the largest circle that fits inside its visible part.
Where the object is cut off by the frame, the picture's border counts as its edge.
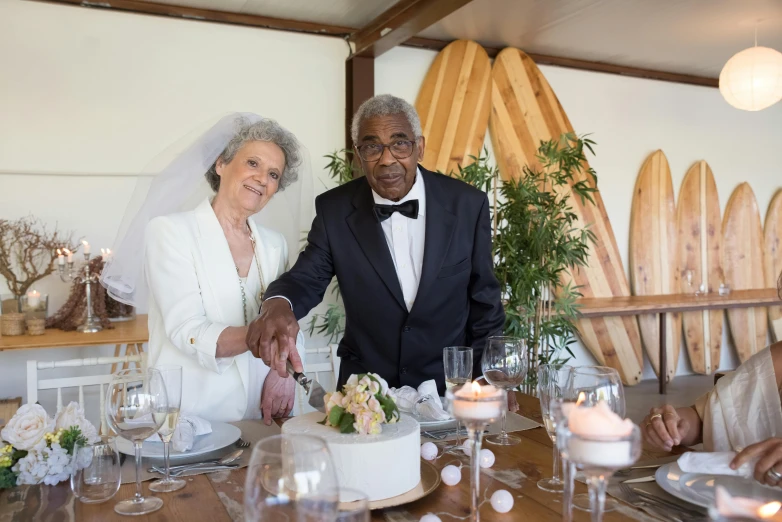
(752, 79)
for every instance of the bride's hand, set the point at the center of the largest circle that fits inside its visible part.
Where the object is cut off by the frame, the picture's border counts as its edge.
(277, 397)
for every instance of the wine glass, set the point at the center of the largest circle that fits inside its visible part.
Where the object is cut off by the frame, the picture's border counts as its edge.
(96, 472)
(590, 385)
(356, 510)
(133, 400)
(172, 376)
(291, 477)
(553, 383)
(504, 365)
(598, 457)
(457, 361)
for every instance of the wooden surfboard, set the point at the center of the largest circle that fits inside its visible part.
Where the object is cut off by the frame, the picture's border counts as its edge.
(654, 256)
(700, 254)
(525, 111)
(454, 104)
(773, 235)
(742, 261)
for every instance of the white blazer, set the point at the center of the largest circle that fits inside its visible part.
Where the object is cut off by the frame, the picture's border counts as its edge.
(194, 295)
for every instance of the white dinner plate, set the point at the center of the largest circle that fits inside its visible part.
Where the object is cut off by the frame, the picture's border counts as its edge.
(695, 488)
(430, 424)
(222, 435)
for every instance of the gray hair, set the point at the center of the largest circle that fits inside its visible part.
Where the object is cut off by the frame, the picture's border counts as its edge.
(384, 105)
(262, 130)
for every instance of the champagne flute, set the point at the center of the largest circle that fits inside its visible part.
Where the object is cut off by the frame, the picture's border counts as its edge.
(132, 398)
(172, 376)
(457, 361)
(291, 477)
(590, 385)
(504, 365)
(553, 382)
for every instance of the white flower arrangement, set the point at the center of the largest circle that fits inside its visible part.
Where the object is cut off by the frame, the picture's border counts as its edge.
(362, 406)
(38, 448)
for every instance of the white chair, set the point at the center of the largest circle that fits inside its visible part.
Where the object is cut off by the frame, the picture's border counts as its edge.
(34, 384)
(314, 370)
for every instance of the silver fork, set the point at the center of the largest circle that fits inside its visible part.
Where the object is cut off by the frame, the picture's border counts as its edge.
(241, 443)
(659, 507)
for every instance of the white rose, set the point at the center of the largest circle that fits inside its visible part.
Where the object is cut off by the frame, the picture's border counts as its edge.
(73, 415)
(26, 429)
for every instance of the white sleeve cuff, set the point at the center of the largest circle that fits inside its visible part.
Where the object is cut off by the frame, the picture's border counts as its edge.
(206, 349)
(280, 297)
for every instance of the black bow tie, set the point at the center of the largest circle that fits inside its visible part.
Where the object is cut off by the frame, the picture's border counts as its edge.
(407, 209)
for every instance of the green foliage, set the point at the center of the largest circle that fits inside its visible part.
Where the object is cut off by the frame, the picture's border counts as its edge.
(335, 414)
(71, 437)
(7, 478)
(538, 240)
(346, 423)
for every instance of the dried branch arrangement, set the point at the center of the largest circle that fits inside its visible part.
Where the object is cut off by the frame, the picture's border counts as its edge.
(71, 314)
(28, 251)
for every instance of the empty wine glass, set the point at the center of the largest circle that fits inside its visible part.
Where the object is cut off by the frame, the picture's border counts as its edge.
(457, 361)
(553, 383)
(291, 477)
(133, 399)
(590, 385)
(172, 376)
(95, 471)
(504, 365)
(356, 510)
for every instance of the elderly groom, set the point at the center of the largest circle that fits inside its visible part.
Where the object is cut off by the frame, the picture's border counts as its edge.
(411, 250)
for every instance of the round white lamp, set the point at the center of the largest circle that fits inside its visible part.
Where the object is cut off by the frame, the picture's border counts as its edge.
(752, 79)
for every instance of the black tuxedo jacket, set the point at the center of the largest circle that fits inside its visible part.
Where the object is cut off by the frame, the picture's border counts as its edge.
(458, 299)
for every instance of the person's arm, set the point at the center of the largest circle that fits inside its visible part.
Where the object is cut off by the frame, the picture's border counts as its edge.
(173, 283)
(272, 335)
(487, 316)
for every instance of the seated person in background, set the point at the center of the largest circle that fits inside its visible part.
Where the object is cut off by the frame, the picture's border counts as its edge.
(742, 413)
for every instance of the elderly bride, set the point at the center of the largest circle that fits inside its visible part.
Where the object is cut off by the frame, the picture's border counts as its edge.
(207, 267)
(743, 413)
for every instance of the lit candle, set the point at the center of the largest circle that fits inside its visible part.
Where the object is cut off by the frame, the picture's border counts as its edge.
(595, 427)
(60, 257)
(474, 402)
(69, 254)
(740, 507)
(33, 298)
(86, 247)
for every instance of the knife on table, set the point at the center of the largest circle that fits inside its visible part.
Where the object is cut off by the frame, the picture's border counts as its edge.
(314, 390)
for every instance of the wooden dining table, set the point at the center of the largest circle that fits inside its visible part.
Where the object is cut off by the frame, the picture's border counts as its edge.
(218, 497)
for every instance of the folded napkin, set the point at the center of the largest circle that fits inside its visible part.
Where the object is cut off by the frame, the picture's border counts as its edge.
(424, 402)
(187, 429)
(714, 464)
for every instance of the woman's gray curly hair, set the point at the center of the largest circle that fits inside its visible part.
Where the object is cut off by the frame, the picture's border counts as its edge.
(262, 130)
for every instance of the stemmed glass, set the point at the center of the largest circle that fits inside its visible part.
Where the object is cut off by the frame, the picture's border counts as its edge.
(590, 385)
(457, 361)
(598, 457)
(172, 376)
(504, 365)
(291, 477)
(553, 383)
(133, 400)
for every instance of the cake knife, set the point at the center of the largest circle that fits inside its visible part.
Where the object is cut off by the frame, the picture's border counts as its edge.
(314, 390)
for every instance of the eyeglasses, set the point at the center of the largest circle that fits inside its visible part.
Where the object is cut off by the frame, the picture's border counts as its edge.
(400, 149)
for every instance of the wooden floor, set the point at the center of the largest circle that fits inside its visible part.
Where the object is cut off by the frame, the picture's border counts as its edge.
(683, 391)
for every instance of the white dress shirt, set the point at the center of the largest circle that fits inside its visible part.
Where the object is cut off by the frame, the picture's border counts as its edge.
(405, 238)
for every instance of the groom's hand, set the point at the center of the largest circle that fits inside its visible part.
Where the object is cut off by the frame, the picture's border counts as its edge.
(272, 336)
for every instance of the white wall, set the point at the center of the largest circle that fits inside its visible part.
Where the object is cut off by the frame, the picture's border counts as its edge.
(97, 94)
(630, 118)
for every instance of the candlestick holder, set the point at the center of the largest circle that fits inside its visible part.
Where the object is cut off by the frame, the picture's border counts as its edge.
(598, 457)
(475, 407)
(91, 322)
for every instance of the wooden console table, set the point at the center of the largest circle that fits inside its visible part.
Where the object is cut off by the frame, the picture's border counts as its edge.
(663, 304)
(132, 334)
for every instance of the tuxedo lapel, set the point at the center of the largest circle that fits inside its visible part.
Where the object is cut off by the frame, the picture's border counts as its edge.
(370, 238)
(440, 223)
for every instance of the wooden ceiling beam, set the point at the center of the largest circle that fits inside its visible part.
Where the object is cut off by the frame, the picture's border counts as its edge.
(211, 15)
(402, 21)
(583, 65)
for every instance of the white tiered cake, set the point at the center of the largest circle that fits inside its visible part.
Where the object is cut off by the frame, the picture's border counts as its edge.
(382, 466)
